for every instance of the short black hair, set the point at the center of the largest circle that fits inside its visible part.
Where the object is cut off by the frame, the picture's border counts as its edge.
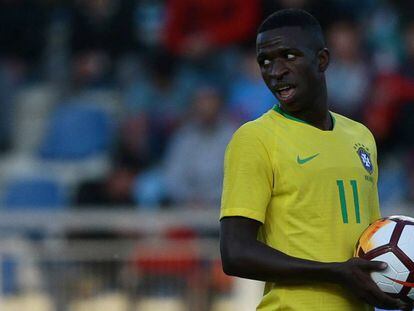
(293, 18)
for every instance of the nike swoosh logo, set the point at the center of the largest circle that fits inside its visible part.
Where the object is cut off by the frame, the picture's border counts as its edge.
(304, 160)
(408, 284)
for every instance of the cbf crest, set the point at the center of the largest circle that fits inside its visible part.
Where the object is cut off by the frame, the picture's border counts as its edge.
(365, 157)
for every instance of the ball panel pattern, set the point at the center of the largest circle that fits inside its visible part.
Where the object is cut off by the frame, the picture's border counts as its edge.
(401, 218)
(396, 270)
(376, 235)
(391, 239)
(411, 294)
(406, 241)
(382, 236)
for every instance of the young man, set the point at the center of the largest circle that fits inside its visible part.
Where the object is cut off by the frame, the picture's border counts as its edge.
(300, 184)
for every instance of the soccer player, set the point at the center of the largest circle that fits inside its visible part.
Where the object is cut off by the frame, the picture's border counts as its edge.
(300, 184)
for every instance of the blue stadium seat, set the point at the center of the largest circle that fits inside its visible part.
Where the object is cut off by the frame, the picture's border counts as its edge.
(34, 193)
(76, 131)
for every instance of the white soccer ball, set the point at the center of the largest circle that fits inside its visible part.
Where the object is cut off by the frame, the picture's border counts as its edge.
(391, 239)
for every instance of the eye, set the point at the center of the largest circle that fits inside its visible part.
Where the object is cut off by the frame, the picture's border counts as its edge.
(266, 62)
(290, 56)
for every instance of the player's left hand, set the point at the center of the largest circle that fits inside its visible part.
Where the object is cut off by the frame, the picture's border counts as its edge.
(409, 307)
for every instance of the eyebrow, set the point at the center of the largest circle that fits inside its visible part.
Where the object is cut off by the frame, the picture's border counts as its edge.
(270, 42)
(278, 51)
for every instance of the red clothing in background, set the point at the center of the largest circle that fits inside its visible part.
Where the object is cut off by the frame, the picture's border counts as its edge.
(219, 22)
(391, 92)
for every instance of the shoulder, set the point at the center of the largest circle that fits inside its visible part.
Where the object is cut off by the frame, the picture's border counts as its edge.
(253, 140)
(357, 128)
(260, 129)
(361, 135)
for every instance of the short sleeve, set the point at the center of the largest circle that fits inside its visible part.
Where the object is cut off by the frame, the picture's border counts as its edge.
(248, 176)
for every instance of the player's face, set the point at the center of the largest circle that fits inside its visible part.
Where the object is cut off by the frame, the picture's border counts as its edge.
(290, 66)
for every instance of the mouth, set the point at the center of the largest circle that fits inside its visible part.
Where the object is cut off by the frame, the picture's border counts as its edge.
(285, 93)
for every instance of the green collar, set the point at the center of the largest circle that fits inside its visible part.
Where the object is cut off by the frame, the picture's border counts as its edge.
(288, 116)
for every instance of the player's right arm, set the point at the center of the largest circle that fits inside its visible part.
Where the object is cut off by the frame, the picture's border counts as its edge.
(247, 188)
(244, 256)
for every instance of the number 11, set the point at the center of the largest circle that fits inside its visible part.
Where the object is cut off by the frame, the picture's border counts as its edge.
(342, 199)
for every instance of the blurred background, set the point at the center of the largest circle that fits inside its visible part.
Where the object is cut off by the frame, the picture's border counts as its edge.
(114, 118)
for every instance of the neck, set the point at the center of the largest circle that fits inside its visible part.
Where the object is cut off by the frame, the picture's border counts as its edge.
(316, 113)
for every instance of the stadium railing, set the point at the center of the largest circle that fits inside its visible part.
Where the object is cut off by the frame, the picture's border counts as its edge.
(74, 260)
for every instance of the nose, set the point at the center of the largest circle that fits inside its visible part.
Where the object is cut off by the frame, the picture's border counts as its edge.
(279, 69)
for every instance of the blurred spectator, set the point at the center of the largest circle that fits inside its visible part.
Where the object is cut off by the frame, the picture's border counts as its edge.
(113, 191)
(381, 32)
(22, 40)
(348, 78)
(408, 66)
(134, 148)
(11, 77)
(193, 164)
(325, 11)
(205, 34)
(101, 31)
(405, 9)
(149, 24)
(162, 88)
(155, 103)
(22, 27)
(248, 95)
(91, 69)
(157, 52)
(393, 185)
(56, 56)
(391, 92)
(197, 27)
(102, 25)
(405, 127)
(149, 189)
(390, 113)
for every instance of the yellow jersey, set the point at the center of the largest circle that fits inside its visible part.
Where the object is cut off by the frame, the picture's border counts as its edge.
(314, 191)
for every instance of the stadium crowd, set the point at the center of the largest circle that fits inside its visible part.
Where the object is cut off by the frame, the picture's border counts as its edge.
(132, 102)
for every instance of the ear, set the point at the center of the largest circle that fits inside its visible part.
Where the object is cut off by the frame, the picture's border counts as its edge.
(323, 59)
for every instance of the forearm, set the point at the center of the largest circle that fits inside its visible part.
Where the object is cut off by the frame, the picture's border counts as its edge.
(258, 261)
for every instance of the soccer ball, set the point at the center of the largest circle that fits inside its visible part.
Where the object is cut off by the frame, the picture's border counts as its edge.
(391, 239)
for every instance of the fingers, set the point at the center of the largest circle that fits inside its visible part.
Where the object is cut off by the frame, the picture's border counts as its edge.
(373, 265)
(362, 285)
(374, 296)
(369, 265)
(382, 300)
(408, 307)
(387, 302)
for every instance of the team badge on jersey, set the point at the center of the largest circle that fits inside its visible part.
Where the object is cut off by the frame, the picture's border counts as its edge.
(365, 157)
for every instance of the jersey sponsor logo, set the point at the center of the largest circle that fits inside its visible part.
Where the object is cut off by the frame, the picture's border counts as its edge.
(365, 157)
(408, 284)
(304, 160)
